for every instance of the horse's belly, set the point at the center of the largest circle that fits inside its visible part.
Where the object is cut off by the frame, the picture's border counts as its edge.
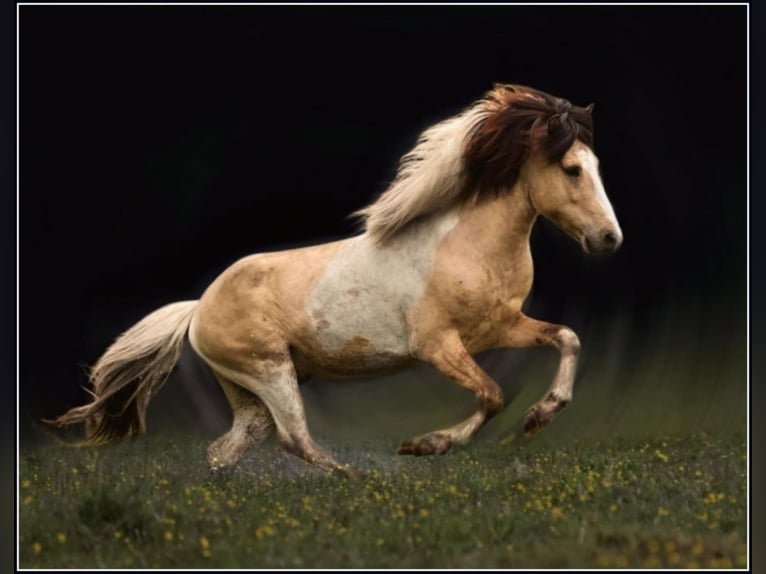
(357, 357)
(357, 332)
(357, 311)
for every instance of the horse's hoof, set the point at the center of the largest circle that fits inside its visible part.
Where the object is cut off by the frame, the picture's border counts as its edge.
(346, 471)
(541, 415)
(425, 445)
(532, 423)
(221, 471)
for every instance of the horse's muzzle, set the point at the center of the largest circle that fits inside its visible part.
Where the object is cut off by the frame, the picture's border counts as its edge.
(604, 242)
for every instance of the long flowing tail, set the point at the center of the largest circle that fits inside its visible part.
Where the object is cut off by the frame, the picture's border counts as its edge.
(127, 375)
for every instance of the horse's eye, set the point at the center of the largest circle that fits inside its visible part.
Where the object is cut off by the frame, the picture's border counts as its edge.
(573, 170)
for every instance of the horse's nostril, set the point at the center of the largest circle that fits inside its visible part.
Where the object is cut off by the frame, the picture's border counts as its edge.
(609, 238)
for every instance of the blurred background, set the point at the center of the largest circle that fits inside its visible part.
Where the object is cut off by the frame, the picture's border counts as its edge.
(159, 144)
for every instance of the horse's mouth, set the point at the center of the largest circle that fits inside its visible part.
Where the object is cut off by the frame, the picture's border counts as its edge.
(604, 242)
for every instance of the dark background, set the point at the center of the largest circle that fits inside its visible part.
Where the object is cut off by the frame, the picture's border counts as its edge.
(159, 144)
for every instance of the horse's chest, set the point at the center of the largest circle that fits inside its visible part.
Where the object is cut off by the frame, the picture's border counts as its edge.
(478, 300)
(481, 316)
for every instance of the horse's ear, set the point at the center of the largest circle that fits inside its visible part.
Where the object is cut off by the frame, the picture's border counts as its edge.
(589, 109)
(554, 123)
(508, 87)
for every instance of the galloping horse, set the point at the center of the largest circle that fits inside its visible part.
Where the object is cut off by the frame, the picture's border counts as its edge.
(440, 273)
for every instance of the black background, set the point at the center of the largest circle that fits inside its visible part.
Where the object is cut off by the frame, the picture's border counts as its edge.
(159, 144)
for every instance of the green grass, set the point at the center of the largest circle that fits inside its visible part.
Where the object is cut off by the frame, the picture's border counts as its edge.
(674, 501)
(646, 469)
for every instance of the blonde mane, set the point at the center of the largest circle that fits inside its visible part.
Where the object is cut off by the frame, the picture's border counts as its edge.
(430, 178)
(475, 152)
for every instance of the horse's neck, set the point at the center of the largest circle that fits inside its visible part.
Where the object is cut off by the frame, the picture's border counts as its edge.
(498, 227)
(493, 232)
(420, 239)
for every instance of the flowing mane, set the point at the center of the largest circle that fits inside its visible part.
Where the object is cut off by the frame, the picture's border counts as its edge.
(476, 153)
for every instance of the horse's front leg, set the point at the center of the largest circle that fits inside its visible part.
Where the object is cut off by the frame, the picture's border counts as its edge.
(528, 332)
(450, 356)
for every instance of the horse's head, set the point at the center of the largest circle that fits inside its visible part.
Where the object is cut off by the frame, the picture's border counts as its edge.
(542, 146)
(570, 193)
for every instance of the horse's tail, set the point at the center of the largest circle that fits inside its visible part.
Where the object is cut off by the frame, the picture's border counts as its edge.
(129, 373)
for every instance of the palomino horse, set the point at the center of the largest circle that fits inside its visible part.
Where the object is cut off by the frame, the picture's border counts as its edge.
(439, 274)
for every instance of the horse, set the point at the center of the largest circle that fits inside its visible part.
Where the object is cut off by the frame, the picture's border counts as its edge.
(439, 272)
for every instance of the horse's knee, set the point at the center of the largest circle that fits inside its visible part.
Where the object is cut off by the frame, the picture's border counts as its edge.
(491, 401)
(568, 341)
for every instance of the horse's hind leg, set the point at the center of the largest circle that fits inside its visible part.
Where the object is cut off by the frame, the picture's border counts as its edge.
(251, 425)
(528, 332)
(276, 384)
(451, 358)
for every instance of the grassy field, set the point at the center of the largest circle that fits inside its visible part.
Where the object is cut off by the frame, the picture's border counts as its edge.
(676, 502)
(646, 469)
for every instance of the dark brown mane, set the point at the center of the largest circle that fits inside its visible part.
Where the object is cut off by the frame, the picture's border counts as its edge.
(521, 120)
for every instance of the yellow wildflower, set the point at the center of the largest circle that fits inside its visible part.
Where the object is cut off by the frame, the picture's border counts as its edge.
(263, 531)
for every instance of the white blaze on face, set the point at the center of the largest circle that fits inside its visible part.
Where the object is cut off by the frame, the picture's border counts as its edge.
(367, 290)
(589, 163)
